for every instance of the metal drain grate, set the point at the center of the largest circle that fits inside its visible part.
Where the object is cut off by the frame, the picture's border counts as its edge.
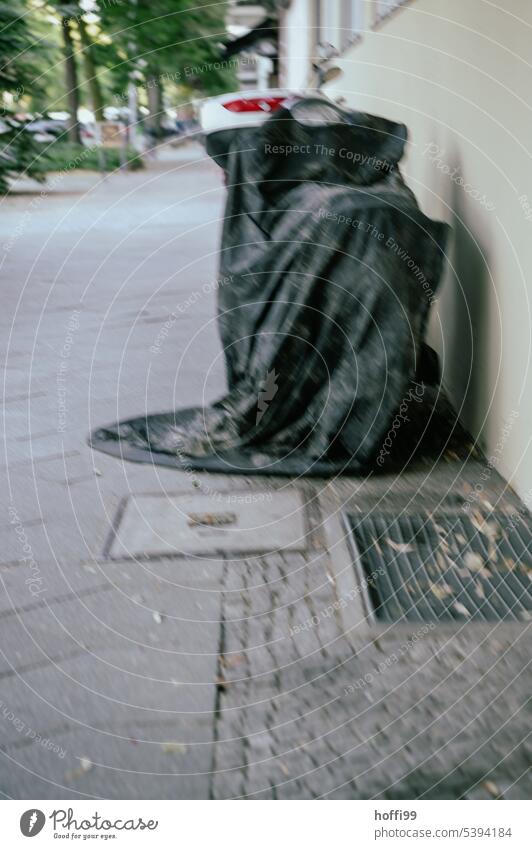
(445, 567)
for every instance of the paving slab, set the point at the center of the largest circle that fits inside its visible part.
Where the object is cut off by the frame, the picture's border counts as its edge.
(152, 525)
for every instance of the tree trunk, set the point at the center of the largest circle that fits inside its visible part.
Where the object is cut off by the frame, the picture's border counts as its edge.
(90, 72)
(71, 81)
(155, 104)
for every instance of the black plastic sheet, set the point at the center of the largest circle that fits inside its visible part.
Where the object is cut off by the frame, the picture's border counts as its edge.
(331, 269)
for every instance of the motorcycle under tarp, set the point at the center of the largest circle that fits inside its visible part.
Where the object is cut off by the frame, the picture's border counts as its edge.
(329, 269)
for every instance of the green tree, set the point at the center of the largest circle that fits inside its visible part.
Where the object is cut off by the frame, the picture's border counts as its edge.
(91, 69)
(164, 39)
(18, 152)
(69, 12)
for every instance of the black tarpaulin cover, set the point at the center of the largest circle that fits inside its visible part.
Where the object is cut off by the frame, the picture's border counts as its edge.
(331, 270)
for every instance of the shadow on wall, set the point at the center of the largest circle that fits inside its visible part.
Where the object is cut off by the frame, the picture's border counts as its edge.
(469, 367)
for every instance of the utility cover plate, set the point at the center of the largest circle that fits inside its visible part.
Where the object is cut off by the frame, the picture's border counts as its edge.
(444, 566)
(236, 522)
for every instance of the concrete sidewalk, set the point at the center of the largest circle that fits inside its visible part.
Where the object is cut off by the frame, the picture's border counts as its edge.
(204, 675)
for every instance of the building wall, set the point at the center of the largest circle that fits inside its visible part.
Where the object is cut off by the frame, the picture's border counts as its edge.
(246, 15)
(254, 70)
(459, 74)
(296, 40)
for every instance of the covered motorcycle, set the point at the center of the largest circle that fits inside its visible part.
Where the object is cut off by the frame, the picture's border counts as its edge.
(331, 269)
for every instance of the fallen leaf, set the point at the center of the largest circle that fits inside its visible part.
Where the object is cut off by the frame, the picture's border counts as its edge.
(174, 748)
(492, 788)
(473, 561)
(401, 547)
(444, 561)
(232, 660)
(477, 520)
(441, 591)
(460, 608)
(212, 520)
(85, 764)
(491, 530)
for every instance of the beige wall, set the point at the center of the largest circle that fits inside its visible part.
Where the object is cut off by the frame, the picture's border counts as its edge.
(297, 40)
(459, 74)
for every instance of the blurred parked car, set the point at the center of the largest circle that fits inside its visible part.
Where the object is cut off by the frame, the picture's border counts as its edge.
(239, 109)
(231, 112)
(47, 126)
(227, 113)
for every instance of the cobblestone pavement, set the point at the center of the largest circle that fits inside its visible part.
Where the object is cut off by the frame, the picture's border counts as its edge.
(211, 676)
(308, 711)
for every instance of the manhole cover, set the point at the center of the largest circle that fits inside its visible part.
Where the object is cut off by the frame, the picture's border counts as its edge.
(443, 566)
(237, 522)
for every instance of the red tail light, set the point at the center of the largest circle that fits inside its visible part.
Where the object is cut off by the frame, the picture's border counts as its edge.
(255, 104)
